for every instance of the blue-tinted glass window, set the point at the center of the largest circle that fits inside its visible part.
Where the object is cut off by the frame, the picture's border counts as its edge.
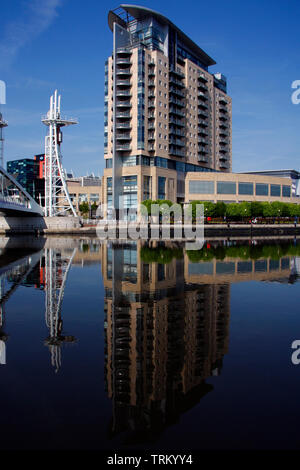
(201, 187)
(226, 187)
(246, 188)
(161, 187)
(286, 191)
(275, 190)
(262, 189)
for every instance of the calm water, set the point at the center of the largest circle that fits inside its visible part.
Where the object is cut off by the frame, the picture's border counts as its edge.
(117, 346)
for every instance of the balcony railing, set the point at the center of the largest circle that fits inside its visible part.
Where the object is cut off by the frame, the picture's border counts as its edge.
(125, 114)
(123, 147)
(123, 72)
(123, 125)
(176, 91)
(176, 142)
(176, 101)
(176, 122)
(123, 93)
(123, 137)
(123, 83)
(176, 111)
(176, 152)
(123, 60)
(202, 78)
(124, 104)
(202, 95)
(202, 122)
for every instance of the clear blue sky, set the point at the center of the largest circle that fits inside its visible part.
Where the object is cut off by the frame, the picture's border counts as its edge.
(48, 44)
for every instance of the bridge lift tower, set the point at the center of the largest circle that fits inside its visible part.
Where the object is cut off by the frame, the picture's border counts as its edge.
(2, 125)
(57, 198)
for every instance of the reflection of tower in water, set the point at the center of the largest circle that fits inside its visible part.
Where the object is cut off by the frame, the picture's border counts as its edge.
(163, 339)
(56, 268)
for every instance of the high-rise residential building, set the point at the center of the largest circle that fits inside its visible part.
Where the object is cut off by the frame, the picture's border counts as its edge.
(166, 114)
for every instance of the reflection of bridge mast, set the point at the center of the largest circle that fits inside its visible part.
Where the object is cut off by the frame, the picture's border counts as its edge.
(56, 272)
(57, 198)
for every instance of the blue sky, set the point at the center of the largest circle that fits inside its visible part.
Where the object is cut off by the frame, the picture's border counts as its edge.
(48, 44)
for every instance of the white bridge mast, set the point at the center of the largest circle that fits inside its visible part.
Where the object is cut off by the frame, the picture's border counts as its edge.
(57, 198)
(2, 125)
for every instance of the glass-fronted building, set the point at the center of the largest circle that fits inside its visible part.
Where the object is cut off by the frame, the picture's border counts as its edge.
(165, 113)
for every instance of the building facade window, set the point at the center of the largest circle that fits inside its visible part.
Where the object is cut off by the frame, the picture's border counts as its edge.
(161, 187)
(201, 187)
(275, 190)
(246, 188)
(286, 191)
(226, 187)
(147, 190)
(262, 189)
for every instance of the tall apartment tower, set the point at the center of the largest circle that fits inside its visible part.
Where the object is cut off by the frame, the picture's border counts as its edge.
(165, 113)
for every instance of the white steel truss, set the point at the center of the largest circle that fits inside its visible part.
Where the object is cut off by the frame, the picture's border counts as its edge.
(57, 198)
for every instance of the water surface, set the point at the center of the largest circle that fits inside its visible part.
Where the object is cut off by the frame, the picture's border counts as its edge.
(146, 345)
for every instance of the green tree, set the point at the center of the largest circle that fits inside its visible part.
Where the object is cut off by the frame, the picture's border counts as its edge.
(84, 208)
(267, 209)
(220, 209)
(256, 209)
(233, 210)
(245, 209)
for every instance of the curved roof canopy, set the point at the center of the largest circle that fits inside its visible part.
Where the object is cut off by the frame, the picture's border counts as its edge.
(137, 12)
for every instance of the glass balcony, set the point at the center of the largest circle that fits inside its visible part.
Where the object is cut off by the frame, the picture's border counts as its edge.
(223, 109)
(176, 91)
(203, 123)
(123, 125)
(202, 86)
(123, 104)
(123, 147)
(176, 101)
(176, 111)
(176, 122)
(176, 152)
(151, 83)
(123, 93)
(151, 104)
(175, 81)
(202, 141)
(222, 100)
(203, 158)
(151, 136)
(223, 125)
(123, 83)
(123, 60)
(202, 112)
(202, 95)
(125, 114)
(176, 131)
(176, 142)
(202, 131)
(202, 151)
(123, 137)
(202, 78)
(123, 72)
(202, 105)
